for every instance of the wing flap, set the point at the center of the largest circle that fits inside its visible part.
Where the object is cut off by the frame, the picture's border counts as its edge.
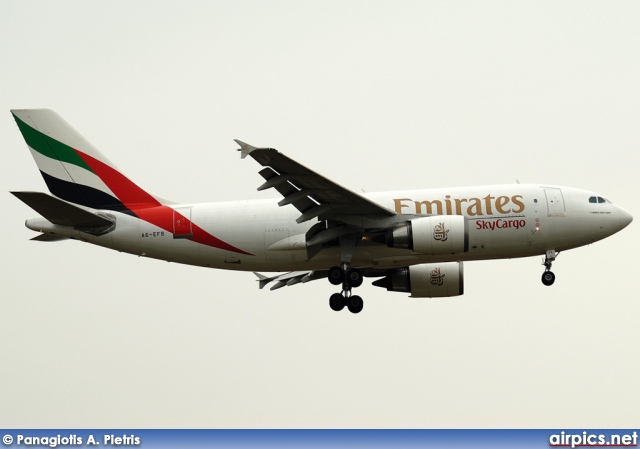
(311, 193)
(300, 199)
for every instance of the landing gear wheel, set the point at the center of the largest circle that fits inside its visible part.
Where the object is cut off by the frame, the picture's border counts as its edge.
(337, 302)
(354, 278)
(336, 275)
(355, 304)
(548, 278)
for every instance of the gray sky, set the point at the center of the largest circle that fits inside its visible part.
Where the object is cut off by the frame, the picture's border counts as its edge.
(374, 95)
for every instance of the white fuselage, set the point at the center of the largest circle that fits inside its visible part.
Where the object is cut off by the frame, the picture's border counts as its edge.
(504, 221)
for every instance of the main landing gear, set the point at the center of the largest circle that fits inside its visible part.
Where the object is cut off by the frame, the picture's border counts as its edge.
(548, 278)
(349, 279)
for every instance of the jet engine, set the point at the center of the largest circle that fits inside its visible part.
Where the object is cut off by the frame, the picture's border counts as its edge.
(429, 280)
(436, 235)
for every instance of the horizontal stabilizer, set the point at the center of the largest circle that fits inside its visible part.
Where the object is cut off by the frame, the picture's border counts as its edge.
(62, 213)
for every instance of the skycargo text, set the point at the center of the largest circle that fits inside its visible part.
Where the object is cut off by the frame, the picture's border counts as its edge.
(500, 224)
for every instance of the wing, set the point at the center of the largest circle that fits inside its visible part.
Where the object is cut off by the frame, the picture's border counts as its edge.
(312, 194)
(297, 277)
(291, 278)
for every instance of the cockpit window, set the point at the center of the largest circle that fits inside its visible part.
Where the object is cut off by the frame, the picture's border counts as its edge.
(598, 199)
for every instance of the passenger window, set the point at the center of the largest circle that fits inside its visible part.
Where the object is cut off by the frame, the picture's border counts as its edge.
(592, 199)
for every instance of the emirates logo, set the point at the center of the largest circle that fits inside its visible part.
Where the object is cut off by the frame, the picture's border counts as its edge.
(440, 232)
(436, 278)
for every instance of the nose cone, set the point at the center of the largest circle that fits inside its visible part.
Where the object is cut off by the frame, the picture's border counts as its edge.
(625, 218)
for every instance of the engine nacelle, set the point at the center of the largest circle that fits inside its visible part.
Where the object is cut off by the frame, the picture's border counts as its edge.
(429, 280)
(436, 235)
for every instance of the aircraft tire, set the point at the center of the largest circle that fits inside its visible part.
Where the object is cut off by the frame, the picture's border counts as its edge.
(336, 275)
(354, 278)
(337, 302)
(355, 304)
(548, 278)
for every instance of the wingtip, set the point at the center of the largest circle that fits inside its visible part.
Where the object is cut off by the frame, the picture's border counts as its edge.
(245, 148)
(262, 280)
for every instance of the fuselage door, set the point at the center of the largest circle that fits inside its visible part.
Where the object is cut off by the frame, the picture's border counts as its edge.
(182, 223)
(555, 202)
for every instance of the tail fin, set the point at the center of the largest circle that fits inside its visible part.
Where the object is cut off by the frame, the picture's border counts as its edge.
(75, 170)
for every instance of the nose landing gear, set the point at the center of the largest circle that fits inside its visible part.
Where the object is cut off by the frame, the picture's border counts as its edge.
(548, 278)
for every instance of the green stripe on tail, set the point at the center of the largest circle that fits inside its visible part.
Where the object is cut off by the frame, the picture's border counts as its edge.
(49, 147)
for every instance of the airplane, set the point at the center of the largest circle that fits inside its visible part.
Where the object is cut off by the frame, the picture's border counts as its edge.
(412, 241)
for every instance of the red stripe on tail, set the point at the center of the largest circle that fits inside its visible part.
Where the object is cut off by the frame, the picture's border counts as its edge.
(146, 207)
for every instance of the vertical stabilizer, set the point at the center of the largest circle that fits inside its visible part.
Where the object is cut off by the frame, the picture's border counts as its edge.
(73, 169)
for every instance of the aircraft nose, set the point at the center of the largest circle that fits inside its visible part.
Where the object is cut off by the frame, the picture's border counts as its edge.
(625, 218)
